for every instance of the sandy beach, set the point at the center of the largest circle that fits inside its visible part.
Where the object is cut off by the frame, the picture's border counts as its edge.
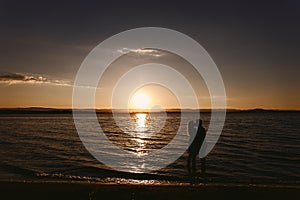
(75, 190)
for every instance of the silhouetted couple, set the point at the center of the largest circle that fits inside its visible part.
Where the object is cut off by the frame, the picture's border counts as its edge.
(197, 132)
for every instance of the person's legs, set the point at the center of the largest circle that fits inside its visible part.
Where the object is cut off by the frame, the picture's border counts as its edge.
(203, 165)
(194, 164)
(189, 163)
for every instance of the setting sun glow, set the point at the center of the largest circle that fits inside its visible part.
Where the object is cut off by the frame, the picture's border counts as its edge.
(140, 101)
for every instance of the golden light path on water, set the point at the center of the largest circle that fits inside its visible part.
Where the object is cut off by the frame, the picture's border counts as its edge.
(141, 127)
(141, 122)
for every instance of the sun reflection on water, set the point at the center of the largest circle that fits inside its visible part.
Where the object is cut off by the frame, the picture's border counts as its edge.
(141, 127)
(141, 120)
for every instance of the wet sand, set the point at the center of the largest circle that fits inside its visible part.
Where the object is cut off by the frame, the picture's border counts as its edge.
(74, 191)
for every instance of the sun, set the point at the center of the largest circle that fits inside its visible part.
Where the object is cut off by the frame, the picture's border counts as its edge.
(140, 101)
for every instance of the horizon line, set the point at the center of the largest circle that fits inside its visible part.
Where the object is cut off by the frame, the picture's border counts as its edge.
(149, 110)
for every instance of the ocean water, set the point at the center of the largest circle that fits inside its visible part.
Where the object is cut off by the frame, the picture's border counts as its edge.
(254, 148)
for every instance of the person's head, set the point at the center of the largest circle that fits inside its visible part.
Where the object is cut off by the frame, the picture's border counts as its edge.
(199, 122)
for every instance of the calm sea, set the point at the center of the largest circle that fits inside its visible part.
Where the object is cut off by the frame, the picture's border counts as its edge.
(254, 148)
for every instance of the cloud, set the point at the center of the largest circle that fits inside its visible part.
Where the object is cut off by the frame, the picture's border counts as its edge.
(148, 52)
(18, 78)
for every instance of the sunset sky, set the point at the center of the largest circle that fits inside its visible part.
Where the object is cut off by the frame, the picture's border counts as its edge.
(255, 44)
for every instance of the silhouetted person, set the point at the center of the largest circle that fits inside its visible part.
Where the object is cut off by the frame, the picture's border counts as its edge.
(194, 148)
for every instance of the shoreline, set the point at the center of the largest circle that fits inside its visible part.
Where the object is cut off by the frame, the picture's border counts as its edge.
(86, 190)
(42, 110)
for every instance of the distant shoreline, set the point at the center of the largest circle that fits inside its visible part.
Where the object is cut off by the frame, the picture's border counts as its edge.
(41, 110)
